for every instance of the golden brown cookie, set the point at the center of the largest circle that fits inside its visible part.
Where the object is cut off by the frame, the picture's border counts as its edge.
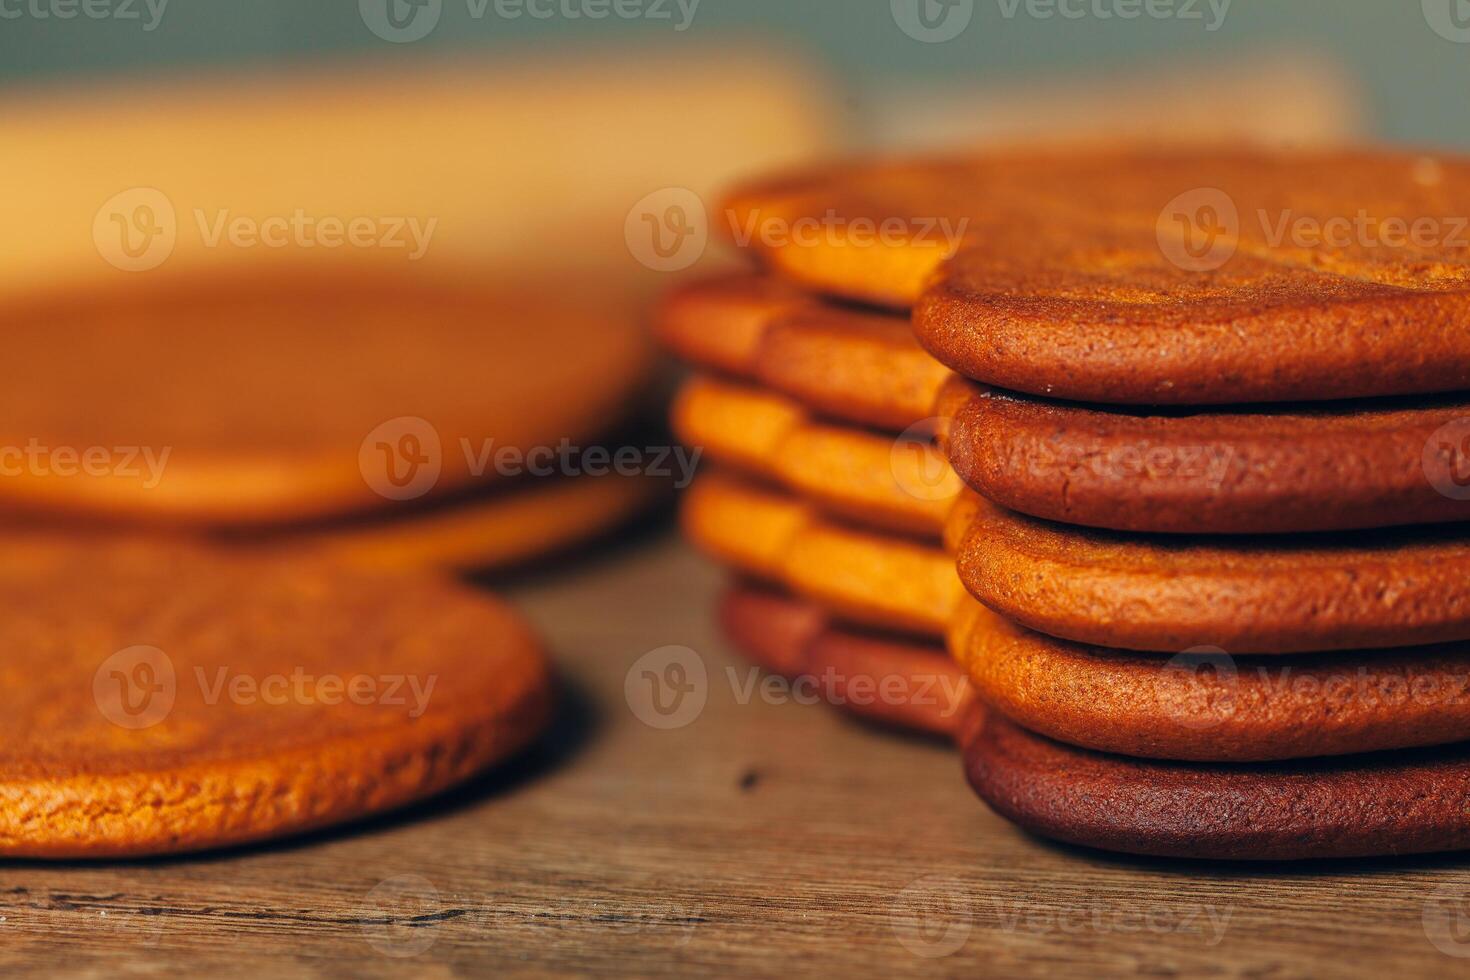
(1265, 594)
(864, 577)
(892, 682)
(839, 361)
(1207, 705)
(892, 484)
(496, 531)
(1181, 276)
(165, 697)
(1356, 806)
(250, 401)
(1300, 468)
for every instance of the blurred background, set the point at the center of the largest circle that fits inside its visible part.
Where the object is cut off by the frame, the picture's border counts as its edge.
(1406, 62)
(564, 149)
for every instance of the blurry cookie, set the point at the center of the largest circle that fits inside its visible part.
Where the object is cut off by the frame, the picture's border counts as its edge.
(1357, 806)
(1266, 594)
(497, 531)
(1207, 705)
(893, 682)
(864, 577)
(164, 697)
(255, 402)
(899, 485)
(1255, 470)
(838, 361)
(1179, 276)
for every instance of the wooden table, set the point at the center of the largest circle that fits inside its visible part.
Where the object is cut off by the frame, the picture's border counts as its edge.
(761, 838)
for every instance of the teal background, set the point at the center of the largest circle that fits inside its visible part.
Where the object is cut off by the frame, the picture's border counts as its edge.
(1416, 83)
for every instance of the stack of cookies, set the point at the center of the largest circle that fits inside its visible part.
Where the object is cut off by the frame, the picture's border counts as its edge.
(1208, 409)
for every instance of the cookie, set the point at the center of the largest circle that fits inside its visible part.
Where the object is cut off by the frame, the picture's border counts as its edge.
(167, 697)
(493, 532)
(1183, 277)
(263, 402)
(864, 577)
(888, 681)
(1206, 705)
(1301, 468)
(852, 365)
(899, 485)
(1267, 594)
(771, 627)
(1357, 806)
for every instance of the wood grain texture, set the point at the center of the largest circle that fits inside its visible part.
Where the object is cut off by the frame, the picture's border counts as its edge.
(760, 839)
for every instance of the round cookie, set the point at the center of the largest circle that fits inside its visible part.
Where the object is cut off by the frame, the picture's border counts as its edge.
(901, 485)
(168, 697)
(864, 577)
(891, 682)
(1205, 705)
(1270, 594)
(1359, 806)
(1322, 468)
(1180, 276)
(770, 627)
(248, 401)
(852, 365)
(494, 532)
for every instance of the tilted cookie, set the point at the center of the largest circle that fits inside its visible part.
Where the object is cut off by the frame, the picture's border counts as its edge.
(167, 697)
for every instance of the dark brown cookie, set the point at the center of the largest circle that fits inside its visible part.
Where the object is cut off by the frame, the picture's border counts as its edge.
(1206, 705)
(1260, 594)
(1359, 806)
(1181, 277)
(1300, 468)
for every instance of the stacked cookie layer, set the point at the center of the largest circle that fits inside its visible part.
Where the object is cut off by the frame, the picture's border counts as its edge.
(832, 528)
(1208, 408)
